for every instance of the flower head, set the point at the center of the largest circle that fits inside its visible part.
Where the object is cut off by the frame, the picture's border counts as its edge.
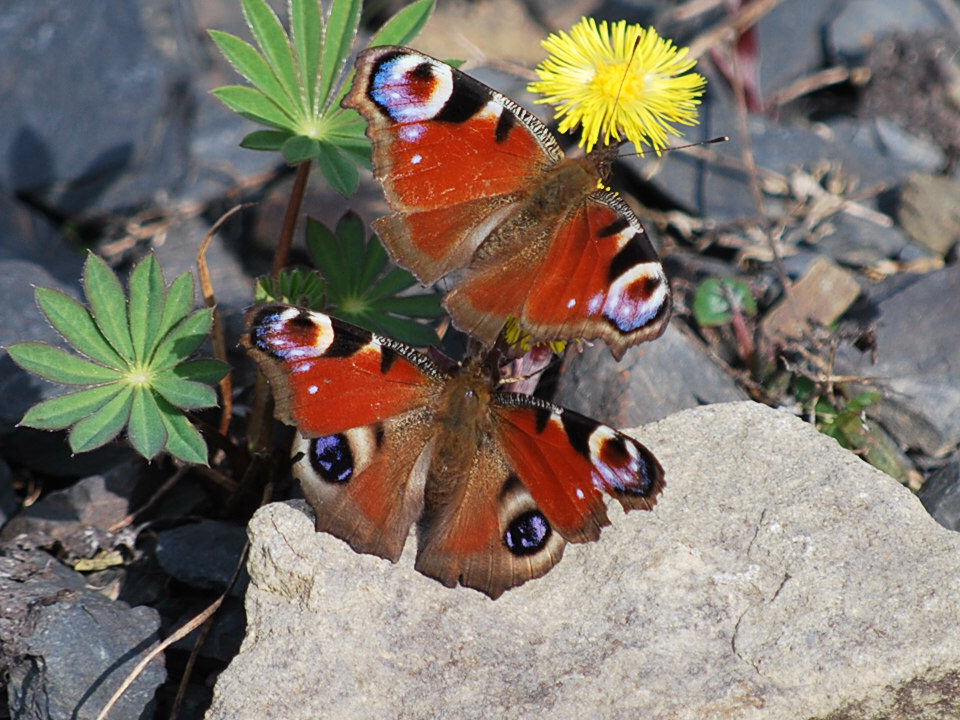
(618, 80)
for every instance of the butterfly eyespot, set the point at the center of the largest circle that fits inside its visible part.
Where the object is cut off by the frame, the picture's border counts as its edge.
(528, 533)
(331, 458)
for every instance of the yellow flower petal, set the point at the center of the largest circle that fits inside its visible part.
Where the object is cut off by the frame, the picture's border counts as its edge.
(598, 81)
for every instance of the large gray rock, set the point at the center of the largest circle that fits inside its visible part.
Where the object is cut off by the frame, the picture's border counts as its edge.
(778, 577)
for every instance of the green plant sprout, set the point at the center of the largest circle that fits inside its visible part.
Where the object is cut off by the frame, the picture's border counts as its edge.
(133, 362)
(357, 283)
(294, 81)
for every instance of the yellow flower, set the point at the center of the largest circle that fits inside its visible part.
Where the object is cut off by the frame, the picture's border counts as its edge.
(517, 337)
(595, 78)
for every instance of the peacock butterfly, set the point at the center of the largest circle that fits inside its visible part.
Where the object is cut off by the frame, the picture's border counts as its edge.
(481, 188)
(497, 482)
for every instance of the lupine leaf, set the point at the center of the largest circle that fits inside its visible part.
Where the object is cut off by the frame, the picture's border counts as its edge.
(396, 280)
(75, 323)
(203, 370)
(254, 105)
(63, 411)
(306, 29)
(300, 148)
(146, 431)
(183, 440)
(338, 170)
(350, 236)
(183, 340)
(103, 425)
(374, 262)
(421, 306)
(147, 294)
(59, 366)
(179, 303)
(184, 394)
(109, 303)
(271, 140)
(338, 36)
(248, 62)
(272, 39)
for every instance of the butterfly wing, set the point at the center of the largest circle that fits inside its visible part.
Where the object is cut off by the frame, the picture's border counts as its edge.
(453, 155)
(600, 278)
(537, 481)
(363, 406)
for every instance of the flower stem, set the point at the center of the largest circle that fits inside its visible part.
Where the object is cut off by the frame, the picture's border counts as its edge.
(290, 219)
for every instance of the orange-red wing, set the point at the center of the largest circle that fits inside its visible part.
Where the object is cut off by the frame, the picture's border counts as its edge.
(329, 376)
(568, 462)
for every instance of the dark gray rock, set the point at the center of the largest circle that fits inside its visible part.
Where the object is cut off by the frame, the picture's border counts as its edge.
(652, 381)
(27, 235)
(94, 116)
(940, 494)
(802, 22)
(8, 499)
(204, 555)
(223, 641)
(67, 648)
(860, 23)
(918, 368)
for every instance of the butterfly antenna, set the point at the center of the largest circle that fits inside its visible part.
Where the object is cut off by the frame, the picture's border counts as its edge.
(623, 78)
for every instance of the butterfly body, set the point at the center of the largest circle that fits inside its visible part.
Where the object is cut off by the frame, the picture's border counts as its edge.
(495, 482)
(483, 193)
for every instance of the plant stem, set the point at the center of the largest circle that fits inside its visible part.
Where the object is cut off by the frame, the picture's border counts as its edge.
(290, 219)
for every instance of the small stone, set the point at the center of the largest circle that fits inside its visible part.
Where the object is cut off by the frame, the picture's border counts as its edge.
(203, 555)
(940, 494)
(930, 211)
(821, 295)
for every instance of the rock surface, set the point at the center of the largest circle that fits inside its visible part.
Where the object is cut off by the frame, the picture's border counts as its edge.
(779, 577)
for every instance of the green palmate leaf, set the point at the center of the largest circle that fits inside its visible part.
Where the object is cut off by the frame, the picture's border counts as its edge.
(347, 130)
(249, 63)
(300, 148)
(405, 25)
(306, 28)
(338, 170)
(265, 140)
(374, 263)
(60, 366)
(421, 306)
(179, 303)
(183, 340)
(295, 287)
(146, 430)
(272, 39)
(184, 394)
(395, 281)
(147, 294)
(105, 295)
(324, 252)
(183, 440)
(350, 236)
(74, 322)
(103, 425)
(254, 105)
(338, 36)
(203, 370)
(61, 412)
(716, 299)
(402, 329)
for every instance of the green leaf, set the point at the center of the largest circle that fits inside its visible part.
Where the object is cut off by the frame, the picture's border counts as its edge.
(254, 105)
(272, 39)
(338, 170)
(183, 340)
(202, 370)
(249, 63)
(306, 27)
(396, 280)
(338, 36)
(183, 440)
(402, 329)
(374, 262)
(63, 411)
(75, 323)
(324, 250)
(102, 426)
(421, 306)
(180, 299)
(297, 286)
(300, 148)
(109, 303)
(350, 234)
(147, 294)
(271, 140)
(60, 366)
(405, 24)
(146, 432)
(716, 299)
(184, 394)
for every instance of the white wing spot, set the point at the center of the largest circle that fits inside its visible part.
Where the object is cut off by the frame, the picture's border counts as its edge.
(312, 389)
(580, 493)
(415, 160)
(572, 302)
